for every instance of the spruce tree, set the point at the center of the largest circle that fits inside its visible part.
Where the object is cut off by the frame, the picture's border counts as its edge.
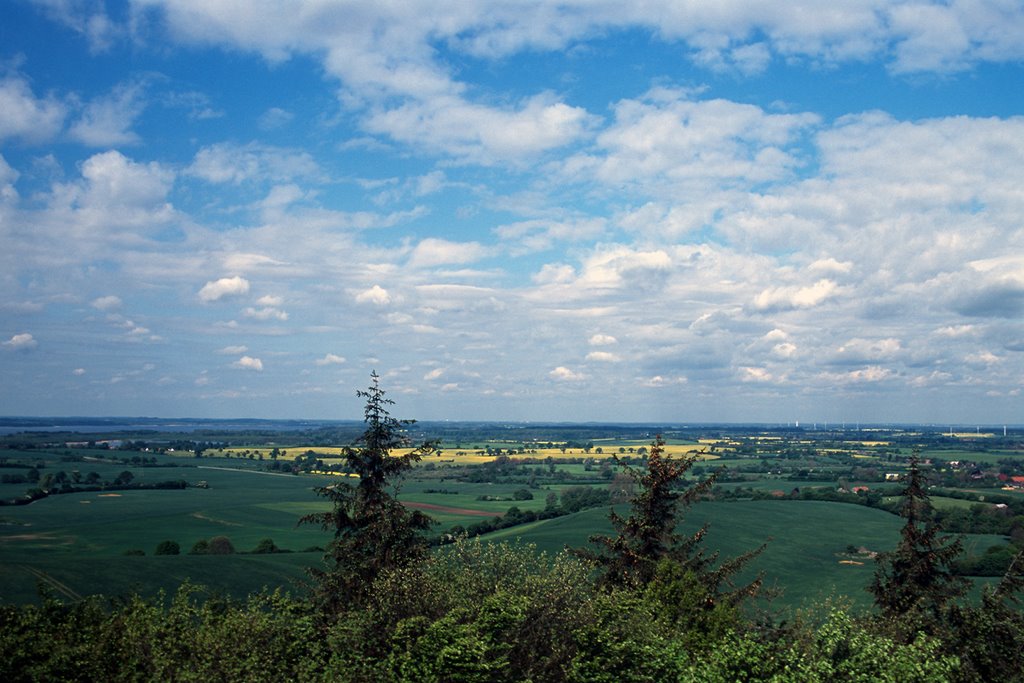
(915, 583)
(373, 531)
(647, 543)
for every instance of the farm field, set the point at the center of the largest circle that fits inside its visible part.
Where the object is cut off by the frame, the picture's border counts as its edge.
(248, 491)
(806, 542)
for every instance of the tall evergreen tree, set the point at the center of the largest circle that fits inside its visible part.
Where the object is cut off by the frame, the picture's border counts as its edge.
(915, 582)
(373, 531)
(648, 537)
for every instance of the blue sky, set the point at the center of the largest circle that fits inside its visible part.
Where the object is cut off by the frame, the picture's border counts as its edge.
(661, 211)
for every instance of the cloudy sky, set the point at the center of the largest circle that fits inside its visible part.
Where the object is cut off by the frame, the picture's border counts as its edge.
(674, 210)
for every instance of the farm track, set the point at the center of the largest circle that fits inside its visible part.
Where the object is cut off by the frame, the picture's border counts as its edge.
(450, 510)
(60, 587)
(237, 469)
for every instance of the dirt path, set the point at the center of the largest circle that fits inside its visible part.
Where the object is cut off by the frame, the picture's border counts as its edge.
(239, 469)
(62, 588)
(452, 511)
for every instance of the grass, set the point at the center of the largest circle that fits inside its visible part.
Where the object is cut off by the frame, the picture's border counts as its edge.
(805, 542)
(74, 543)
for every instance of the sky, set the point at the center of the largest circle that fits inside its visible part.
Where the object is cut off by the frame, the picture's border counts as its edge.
(660, 211)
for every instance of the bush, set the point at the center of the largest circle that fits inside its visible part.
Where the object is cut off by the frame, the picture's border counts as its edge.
(167, 548)
(220, 545)
(265, 546)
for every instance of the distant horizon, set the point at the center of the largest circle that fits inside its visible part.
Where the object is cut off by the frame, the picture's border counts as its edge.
(6, 420)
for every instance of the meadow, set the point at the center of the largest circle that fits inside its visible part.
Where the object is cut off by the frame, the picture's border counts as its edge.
(75, 544)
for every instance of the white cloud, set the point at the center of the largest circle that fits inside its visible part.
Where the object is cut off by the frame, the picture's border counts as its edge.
(225, 286)
(483, 134)
(26, 117)
(861, 351)
(776, 298)
(868, 375)
(376, 295)
(236, 164)
(107, 303)
(233, 350)
(270, 300)
(751, 374)
(21, 342)
(330, 359)
(784, 350)
(669, 140)
(248, 363)
(433, 374)
(266, 313)
(107, 120)
(603, 357)
(274, 118)
(87, 19)
(433, 251)
(78, 372)
(956, 331)
(564, 374)
(602, 340)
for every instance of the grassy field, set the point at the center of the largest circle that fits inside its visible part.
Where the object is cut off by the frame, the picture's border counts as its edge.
(806, 542)
(75, 543)
(80, 539)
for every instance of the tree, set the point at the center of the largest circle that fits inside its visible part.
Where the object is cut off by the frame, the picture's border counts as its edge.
(915, 582)
(648, 536)
(266, 545)
(372, 530)
(220, 545)
(167, 548)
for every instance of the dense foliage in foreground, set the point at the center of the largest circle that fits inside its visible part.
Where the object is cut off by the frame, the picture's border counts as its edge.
(474, 612)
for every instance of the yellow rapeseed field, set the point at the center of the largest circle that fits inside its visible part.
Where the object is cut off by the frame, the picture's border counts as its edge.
(469, 456)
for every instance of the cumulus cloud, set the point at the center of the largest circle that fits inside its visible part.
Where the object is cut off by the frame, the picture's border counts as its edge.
(435, 252)
(225, 286)
(107, 303)
(114, 184)
(265, 313)
(603, 357)
(376, 295)
(236, 164)
(331, 359)
(106, 121)
(669, 139)
(21, 342)
(25, 116)
(248, 363)
(274, 118)
(233, 350)
(776, 298)
(564, 374)
(602, 340)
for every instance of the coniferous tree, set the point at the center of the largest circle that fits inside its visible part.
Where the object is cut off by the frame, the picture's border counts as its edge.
(373, 531)
(645, 539)
(915, 582)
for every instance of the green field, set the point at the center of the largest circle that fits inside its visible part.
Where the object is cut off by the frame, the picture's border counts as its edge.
(807, 542)
(76, 543)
